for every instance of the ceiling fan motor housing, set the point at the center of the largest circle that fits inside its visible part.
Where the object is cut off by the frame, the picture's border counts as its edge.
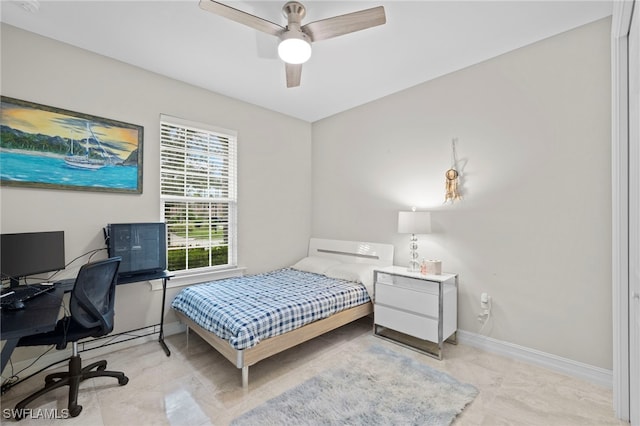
(294, 12)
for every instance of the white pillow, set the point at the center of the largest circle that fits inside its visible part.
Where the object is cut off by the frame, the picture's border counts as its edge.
(359, 272)
(315, 264)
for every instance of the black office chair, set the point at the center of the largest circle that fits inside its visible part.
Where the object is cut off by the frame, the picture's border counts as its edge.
(91, 307)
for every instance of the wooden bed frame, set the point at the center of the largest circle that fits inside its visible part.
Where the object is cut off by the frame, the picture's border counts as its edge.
(346, 251)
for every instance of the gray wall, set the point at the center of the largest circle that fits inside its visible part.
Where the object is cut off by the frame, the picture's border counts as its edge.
(534, 228)
(274, 160)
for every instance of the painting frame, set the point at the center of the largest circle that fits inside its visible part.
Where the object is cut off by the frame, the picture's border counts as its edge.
(53, 148)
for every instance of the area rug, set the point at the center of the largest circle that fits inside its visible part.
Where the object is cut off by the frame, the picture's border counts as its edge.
(376, 387)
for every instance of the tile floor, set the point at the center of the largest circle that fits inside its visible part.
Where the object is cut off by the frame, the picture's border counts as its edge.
(197, 386)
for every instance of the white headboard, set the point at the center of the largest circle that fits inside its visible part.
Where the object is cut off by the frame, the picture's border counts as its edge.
(352, 251)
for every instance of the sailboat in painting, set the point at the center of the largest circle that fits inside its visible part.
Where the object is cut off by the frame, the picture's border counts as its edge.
(85, 161)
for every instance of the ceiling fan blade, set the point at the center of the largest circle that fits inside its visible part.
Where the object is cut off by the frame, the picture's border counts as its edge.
(242, 17)
(294, 72)
(345, 24)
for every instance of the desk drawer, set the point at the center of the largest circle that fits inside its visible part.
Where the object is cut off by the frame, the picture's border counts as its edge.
(408, 323)
(420, 302)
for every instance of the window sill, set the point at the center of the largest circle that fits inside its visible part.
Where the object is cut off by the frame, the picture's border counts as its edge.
(187, 279)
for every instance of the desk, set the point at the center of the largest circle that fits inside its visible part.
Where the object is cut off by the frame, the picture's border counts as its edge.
(164, 276)
(39, 315)
(67, 286)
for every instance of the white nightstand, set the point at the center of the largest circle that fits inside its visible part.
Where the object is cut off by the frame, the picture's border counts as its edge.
(415, 310)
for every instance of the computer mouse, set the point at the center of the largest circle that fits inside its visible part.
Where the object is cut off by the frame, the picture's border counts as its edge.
(16, 304)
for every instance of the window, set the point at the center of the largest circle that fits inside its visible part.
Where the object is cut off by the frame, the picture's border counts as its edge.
(198, 194)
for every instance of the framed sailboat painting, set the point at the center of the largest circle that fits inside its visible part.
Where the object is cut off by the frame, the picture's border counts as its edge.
(47, 147)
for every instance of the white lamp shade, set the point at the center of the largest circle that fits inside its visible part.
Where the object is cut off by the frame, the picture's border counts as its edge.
(414, 222)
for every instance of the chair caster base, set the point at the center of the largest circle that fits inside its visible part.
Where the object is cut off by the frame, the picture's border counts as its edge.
(75, 410)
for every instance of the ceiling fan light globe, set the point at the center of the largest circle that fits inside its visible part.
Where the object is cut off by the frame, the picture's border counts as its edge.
(294, 50)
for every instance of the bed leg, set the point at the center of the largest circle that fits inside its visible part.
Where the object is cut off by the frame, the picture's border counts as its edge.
(187, 331)
(245, 377)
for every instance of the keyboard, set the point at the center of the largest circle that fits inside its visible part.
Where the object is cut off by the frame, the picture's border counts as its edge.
(23, 293)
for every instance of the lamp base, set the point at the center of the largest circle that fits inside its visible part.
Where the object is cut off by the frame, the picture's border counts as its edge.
(414, 265)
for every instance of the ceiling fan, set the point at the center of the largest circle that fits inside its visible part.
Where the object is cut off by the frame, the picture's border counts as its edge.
(295, 39)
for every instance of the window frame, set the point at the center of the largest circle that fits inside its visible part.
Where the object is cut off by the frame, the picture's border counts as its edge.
(231, 198)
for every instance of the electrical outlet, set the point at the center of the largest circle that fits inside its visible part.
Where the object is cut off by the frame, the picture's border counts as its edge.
(484, 300)
(485, 307)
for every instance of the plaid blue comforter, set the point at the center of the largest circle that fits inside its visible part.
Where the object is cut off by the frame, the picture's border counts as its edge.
(245, 310)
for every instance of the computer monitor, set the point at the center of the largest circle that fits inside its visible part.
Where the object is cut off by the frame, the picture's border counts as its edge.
(30, 253)
(142, 247)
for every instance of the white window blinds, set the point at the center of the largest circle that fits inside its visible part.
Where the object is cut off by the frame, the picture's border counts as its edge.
(198, 193)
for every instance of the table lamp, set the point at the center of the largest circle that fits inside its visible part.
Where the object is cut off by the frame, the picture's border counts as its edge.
(414, 223)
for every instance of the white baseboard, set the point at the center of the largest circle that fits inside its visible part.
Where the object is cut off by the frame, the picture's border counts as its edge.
(597, 375)
(93, 349)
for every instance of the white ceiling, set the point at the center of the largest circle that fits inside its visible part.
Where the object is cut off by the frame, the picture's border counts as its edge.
(420, 41)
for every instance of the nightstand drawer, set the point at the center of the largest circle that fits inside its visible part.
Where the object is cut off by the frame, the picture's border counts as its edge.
(407, 282)
(420, 302)
(408, 323)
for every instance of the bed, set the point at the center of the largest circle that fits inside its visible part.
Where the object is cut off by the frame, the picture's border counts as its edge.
(248, 319)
